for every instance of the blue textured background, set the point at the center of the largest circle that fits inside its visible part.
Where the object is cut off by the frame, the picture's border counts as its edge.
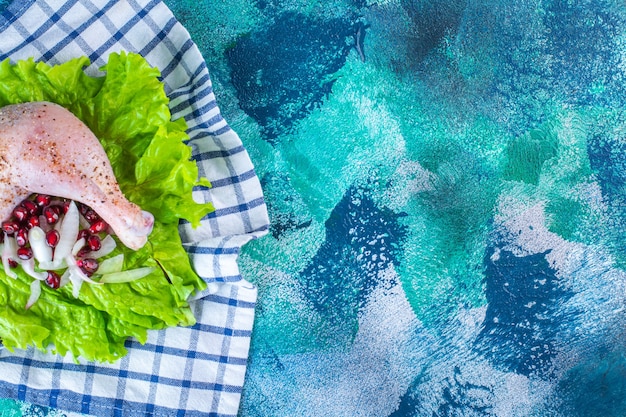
(445, 181)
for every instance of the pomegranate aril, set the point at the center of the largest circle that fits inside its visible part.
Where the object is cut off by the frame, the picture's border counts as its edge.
(52, 214)
(53, 280)
(30, 206)
(66, 206)
(83, 252)
(52, 238)
(91, 216)
(20, 213)
(42, 200)
(24, 253)
(10, 227)
(83, 233)
(82, 209)
(21, 237)
(88, 265)
(94, 243)
(98, 226)
(32, 222)
(13, 263)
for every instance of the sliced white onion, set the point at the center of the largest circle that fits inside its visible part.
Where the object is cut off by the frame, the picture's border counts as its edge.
(75, 270)
(60, 263)
(53, 265)
(76, 282)
(65, 278)
(126, 276)
(9, 251)
(37, 239)
(110, 265)
(84, 223)
(35, 292)
(107, 246)
(28, 265)
(68, 232)
(78, 246)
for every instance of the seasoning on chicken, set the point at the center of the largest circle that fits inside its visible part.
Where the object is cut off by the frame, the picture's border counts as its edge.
(45, 149)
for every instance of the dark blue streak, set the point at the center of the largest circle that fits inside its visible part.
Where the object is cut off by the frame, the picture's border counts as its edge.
(361, 240)
(520, 328)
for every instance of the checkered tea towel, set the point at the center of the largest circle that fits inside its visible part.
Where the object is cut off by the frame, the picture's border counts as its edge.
(197, 371)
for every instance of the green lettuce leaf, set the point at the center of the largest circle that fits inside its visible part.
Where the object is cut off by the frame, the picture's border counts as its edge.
(127, 109)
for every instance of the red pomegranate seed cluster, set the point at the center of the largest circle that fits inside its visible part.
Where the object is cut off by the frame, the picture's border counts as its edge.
(45, 211)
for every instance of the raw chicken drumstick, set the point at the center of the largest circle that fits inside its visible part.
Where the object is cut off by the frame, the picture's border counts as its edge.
(45, 149)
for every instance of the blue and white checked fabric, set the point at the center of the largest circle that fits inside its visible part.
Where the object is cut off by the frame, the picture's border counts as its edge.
(197, 371)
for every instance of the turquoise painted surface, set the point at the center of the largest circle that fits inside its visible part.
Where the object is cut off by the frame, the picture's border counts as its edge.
(9, 408)
(445, 181)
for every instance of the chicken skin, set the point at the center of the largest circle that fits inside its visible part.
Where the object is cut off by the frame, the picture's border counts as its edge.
(45, 149)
